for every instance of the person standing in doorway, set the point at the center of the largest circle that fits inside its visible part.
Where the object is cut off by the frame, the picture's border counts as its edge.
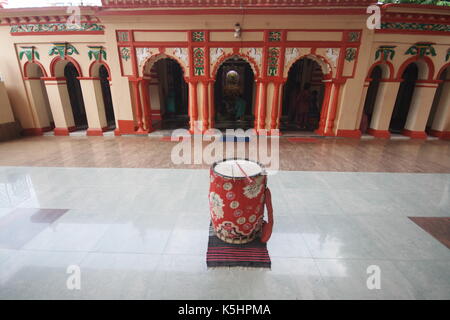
(240, 108)
(303, 103)
(170, 103)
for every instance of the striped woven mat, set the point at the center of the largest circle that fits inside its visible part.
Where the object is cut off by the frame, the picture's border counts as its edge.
(222, 254)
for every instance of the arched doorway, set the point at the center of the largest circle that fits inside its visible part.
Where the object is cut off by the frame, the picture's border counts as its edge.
(107, 98)
(167, 94)
(404, 98)
(234, 93)
(371, 97)
(75, 96)
(302, 96)
(436, 119)
(39, 97)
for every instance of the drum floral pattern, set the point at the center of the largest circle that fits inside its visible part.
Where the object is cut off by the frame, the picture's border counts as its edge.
(216, 205)
(254, 189)
(236, 207)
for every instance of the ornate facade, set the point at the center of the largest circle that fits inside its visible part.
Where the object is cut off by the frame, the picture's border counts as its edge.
(362, 70)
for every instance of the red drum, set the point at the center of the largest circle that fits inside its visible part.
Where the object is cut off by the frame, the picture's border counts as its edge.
(237, 195)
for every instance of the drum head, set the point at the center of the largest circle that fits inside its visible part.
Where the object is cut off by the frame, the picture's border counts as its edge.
(229, 168)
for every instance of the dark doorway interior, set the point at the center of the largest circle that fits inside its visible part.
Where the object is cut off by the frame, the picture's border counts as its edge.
(304, 71)
(404, 98)
(173, 91)
(107, 98)
(234, 95)
(371, 98)
(76, 97)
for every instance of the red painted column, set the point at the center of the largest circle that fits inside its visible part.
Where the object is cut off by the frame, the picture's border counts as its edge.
(262, 108)
(147, 106)
(212, 104)
(325, 104)
(333, 110)
(193, 105)
(138, 106)
(258, 88)
(205, 106)
(275, 105)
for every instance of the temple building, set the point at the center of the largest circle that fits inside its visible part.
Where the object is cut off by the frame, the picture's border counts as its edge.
(136, 66)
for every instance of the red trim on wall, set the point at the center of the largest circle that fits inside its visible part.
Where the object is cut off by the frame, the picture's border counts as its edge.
(445, 135)
(102, 63)
(94, 132)
(69, 59)
(349, 133)
(381, 62)
(125, 127)
(406, 63)
(205, 106)
(61, 131)
(25, 73)
(384, 134)
(225, 57)
(444, 67)
(414, 134)
(237, 11)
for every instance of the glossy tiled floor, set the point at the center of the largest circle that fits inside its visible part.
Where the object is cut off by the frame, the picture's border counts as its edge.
(142, 233)
(323, 154)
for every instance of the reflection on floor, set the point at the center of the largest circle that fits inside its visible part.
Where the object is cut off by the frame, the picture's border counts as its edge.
(328, 154)
(142, 233)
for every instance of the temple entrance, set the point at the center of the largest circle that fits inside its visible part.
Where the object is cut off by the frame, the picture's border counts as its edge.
(371, 98)
(107, 99)
(234, 92)
(404, 98)
(302, 97)
(168, 94)
(76, 97)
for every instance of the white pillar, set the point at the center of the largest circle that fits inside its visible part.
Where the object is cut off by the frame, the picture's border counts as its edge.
(383, 108)
(59, 100)
(420, 108)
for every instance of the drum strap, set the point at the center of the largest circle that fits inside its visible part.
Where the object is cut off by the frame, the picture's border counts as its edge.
(267, 226)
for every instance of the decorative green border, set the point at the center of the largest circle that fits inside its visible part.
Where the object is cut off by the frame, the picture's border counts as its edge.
(387, 52)
(96, 52)
(198, 36)
(29, 52)
(199, 62)
(56, 27)
(122, 36)
(274, 36)
(415, 26)
(125, 53)
(274, 54)
(354, 36)
(350, 54)
(62, 49)
(421, 49)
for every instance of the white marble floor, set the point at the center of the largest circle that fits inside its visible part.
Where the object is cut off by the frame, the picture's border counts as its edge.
(142, 234)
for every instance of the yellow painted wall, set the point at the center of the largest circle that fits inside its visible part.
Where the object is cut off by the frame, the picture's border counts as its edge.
(351, 94)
